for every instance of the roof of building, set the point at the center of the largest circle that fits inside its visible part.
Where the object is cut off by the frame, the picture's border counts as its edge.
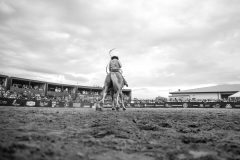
(65, 85)
(25, 79)
(4, 76)
(217, 88)
(235, 95)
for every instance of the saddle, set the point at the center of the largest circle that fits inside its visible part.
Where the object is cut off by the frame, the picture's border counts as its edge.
(115, 70)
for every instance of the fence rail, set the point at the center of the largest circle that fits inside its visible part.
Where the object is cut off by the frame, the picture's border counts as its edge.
(53, 103)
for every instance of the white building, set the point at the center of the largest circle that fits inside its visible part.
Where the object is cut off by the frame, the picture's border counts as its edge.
(214, 92)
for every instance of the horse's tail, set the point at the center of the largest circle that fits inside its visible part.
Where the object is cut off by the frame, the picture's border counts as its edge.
(116, 80)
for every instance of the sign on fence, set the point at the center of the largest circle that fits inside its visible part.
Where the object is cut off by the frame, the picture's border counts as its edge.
(30, 103)
(45, 103)
(77, 105)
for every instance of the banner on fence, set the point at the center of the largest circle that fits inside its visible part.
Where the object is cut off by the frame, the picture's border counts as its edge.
(77, 105)
(46, 103)
(30, 103)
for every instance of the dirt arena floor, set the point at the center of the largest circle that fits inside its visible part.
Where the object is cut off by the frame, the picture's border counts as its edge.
(142, 134)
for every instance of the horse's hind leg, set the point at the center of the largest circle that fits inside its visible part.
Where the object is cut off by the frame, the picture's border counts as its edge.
(104, 95)
(124, 108)
(113, 103)
(122, 102)
(117, 99)
(101, 102)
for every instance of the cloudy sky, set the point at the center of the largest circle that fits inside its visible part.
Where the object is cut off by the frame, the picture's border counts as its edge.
(163, 45)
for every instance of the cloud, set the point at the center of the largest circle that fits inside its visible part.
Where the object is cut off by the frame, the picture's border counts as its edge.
(163, 45)
(6, 9)
(76, 78)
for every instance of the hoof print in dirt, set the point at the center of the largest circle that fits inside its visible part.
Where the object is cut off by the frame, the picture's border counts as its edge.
(102, 134)
(148, 127)
(134, 121)
(184, 130)
(188, 140)
(166, 125)
(194, 125)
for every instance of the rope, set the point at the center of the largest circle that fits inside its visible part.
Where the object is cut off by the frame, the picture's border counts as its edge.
(107, 69)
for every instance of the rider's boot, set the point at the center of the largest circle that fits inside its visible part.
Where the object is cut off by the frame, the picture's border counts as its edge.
(125, 82)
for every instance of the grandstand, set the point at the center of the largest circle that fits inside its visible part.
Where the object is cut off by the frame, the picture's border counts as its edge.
(22, 88)
(15, 91)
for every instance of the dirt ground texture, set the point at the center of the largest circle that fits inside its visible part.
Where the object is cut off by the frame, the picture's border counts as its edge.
(143, 134)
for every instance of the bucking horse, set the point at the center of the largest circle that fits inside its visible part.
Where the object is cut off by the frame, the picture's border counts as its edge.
(113, 85)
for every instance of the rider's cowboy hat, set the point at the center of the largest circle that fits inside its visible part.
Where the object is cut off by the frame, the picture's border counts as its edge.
(114, 57)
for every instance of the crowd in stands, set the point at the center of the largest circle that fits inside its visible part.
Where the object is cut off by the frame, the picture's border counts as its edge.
(27, 93)
(85, 96)
(203, 100)
(158, 99)
(58, 89)
(141, 101)
(36, 92)
(27, 87)
(163, 100)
